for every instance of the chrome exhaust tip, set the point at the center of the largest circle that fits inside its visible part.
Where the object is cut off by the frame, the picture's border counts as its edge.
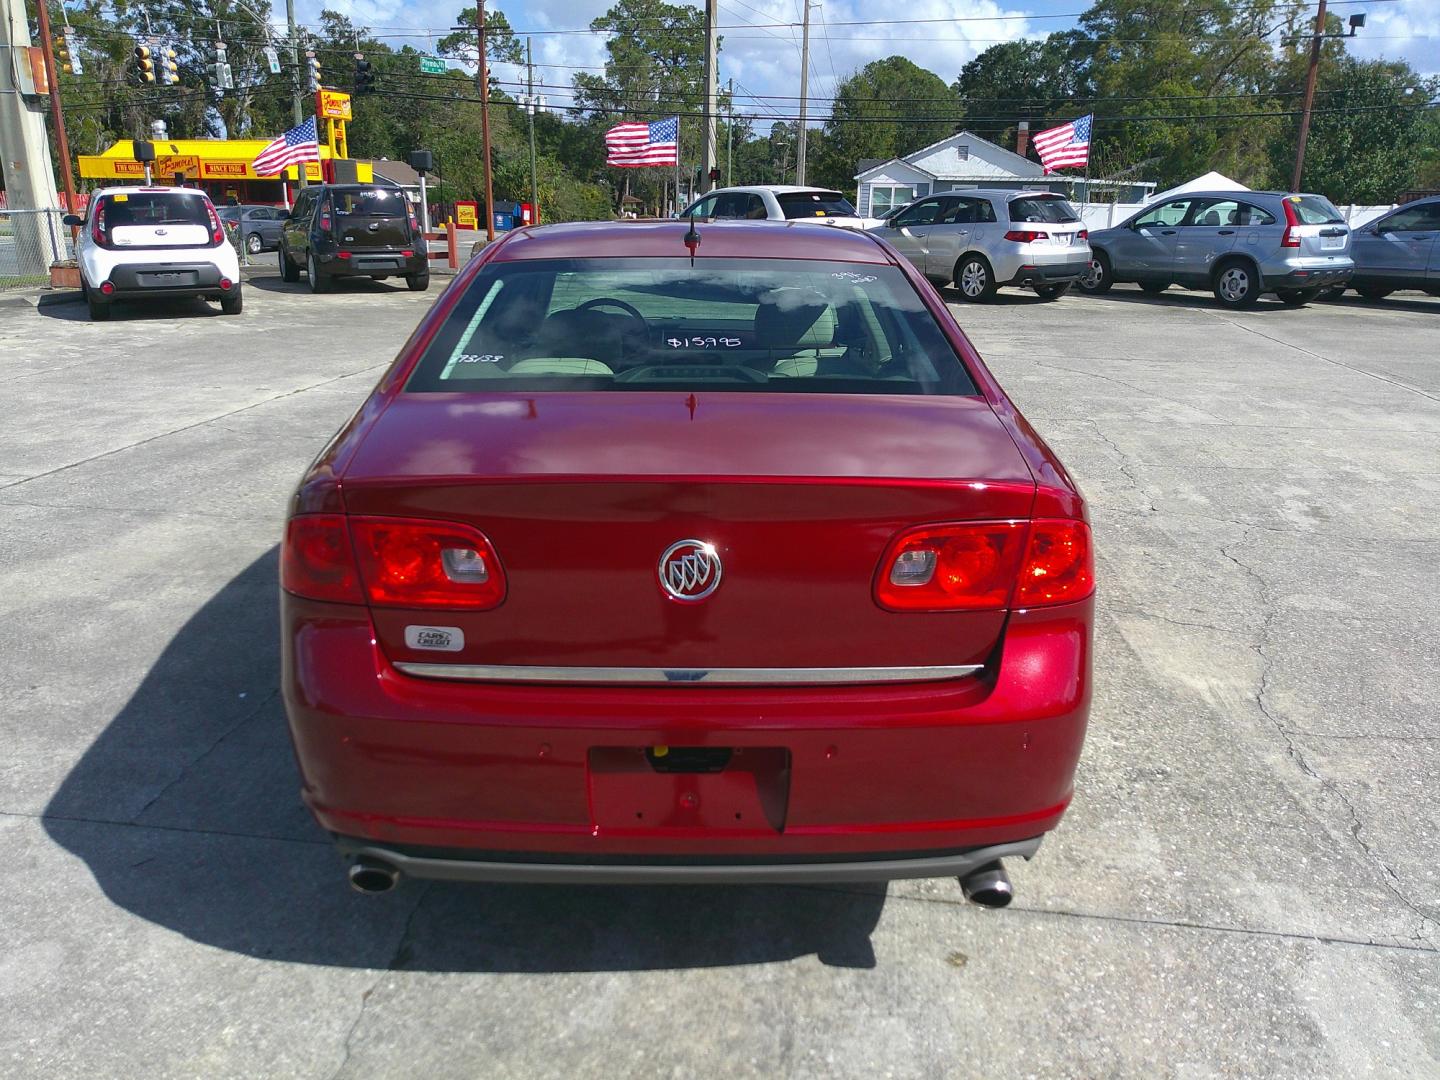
(373, 876)
(988, 885)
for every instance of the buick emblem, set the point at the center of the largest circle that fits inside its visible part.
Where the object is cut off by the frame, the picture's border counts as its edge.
(690, 570)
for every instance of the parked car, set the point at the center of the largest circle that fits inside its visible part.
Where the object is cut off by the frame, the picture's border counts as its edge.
(661, 566)
(983, 239)
(353, 230)
(1240, 244)
(778, 202)
(1399, 250)
(258, 226)
(140, 243)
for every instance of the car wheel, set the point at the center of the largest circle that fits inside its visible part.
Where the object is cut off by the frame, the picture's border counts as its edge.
(288, 270)
(1297, 297)
(1097, 277)
(1052, 292)
(253, 244)
(99, 306)
(1373, 292)
(418, 282)
(1235, 284)
(975, 279)
(1154, 288)
(234, 303)
(318, 281)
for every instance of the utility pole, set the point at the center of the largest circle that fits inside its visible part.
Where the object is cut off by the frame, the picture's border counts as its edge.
(707, 138)
(482, 75)
(530, 111)
(52, 75)
(299, 112)
(1315, 42)
(24, 150)
(730, 132)
(804, 94)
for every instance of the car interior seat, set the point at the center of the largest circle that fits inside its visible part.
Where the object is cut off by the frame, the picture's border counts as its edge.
(1210, 217)
(801, 332)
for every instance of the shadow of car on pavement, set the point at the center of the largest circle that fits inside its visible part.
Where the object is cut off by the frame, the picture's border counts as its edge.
(186, 810)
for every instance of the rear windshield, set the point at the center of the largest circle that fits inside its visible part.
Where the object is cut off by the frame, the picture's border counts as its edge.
(1315, 210)
(155, 208)
(804, 204)
(766, 325)
(1051, 210)
(369, 203)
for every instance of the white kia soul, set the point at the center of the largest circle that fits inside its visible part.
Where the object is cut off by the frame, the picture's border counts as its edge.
(139, 242)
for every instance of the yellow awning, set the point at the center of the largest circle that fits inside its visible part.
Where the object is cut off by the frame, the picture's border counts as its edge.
(198, 159)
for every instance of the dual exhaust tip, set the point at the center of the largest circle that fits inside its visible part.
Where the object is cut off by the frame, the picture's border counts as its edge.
(988, 885)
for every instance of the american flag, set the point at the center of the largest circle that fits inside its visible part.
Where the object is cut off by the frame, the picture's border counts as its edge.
(1066, 146)
(296, 145)
(634, 145)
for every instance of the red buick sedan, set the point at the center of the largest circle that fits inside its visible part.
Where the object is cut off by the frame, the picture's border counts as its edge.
(665, 555)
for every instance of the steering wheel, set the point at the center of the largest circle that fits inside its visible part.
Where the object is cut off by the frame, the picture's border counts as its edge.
(610, 301)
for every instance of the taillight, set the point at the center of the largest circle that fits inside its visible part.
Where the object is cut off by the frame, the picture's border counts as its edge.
(1291, 220)
(97, 230)
(963, 567)
(987, 566)
(1059, 564)
(343, 254)
(426, 564)
(217, 230)
(1023, 236)
(1083, 234)
(325, 222)
(318, 561)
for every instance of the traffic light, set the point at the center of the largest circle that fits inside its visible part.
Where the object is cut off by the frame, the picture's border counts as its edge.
(218, 74)
(144, 63)
(364, 75)
(67, 54)
(714, 176)
(169, 69)
(312, 70)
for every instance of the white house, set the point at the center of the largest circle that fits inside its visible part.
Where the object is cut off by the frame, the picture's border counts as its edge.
(964, 160)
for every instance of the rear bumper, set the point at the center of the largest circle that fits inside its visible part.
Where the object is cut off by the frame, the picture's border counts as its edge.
(1311, 277)
(133, 280)
(542, 782)
(1050, 273)
(367, 263)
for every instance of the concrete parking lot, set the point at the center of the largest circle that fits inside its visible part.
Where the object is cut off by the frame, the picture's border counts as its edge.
(1247, 884)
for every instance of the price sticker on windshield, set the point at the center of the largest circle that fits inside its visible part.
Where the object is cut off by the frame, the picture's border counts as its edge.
(736, 340)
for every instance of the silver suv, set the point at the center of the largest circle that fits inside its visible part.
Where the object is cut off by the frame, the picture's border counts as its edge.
(983, 239)
(1237, 243)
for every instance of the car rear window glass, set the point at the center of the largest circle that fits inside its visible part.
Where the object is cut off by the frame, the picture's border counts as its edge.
(805, 204)
(369, 203)
(1315, 210)
(748, 325)
(1051, 210)
(155, 208)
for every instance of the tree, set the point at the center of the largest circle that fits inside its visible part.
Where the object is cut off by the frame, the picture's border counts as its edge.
(1017, 80)
(501, 45)
(888, 109)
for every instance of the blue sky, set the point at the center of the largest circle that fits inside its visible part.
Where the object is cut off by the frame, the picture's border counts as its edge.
(767, 61)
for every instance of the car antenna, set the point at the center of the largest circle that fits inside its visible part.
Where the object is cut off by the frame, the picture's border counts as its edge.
(692, 241)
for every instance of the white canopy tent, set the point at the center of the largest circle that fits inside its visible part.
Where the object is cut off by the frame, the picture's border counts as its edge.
(1211, 181)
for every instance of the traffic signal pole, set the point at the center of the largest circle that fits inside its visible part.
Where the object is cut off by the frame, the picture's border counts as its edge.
(52, 75)
(1315, 43)
(301, 179)
(482, 75)
(707, 137)
(534, 104)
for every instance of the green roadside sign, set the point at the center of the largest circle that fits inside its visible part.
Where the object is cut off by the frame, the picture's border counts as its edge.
(432, 65)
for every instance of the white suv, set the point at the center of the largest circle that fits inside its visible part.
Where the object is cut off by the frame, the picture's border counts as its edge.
(778, 202)
(139, 242)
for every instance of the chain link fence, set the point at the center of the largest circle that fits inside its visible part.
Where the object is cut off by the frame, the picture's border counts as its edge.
(30, 240)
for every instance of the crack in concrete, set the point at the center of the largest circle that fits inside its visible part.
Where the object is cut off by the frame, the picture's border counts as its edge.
(1363, 735)
(1389, 878)
(185, 769)
(355, 1023)
(79, 819)
(167, 511)
(1326, 534)
(1124, 465)
(1137, 389)
(1110, 609)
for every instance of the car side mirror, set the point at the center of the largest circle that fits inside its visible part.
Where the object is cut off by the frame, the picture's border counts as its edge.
(73, 220)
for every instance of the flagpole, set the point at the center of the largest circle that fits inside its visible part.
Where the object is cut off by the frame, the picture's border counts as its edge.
(1089, 150)
(677, 167)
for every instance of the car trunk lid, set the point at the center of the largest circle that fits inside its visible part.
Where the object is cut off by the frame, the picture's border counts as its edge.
(582, 494)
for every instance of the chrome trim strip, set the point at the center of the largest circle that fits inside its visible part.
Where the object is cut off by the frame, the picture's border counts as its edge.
(688, 676)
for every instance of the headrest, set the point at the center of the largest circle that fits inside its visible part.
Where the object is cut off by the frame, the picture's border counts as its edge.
(795, 323)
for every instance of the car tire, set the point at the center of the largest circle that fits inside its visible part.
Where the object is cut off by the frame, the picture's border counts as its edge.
(289, 272)
(1098, 277)
(974, 279)
(1154, 288)
(253, 244)
(418, 282)
(1297, 297)
(1373, 292)
(99, 307)
(1236, 284)
(1052, 292)
(234, 303)
(318, 281)
(1432, 292)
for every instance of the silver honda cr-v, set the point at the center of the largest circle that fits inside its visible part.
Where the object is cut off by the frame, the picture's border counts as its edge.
(1239, 244)
(982, 239)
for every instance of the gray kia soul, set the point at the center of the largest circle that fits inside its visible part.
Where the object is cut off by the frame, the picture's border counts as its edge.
(1237, 243)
